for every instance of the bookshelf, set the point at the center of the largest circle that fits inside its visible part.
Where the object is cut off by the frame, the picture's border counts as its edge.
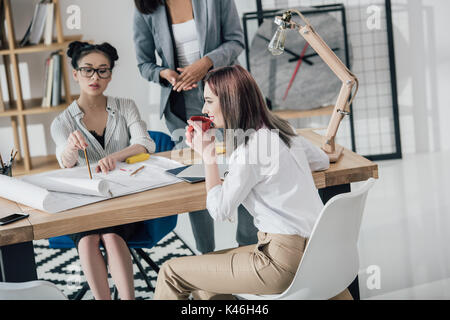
(19, 109)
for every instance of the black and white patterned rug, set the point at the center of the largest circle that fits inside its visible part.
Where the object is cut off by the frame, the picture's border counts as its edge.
(63, 268)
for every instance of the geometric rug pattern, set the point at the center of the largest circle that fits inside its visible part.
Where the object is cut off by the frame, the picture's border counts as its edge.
(63, 268)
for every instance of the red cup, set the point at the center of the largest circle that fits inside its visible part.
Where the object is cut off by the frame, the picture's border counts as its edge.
(206, 124)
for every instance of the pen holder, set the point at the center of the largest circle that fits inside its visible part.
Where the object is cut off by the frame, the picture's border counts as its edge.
(7, 171)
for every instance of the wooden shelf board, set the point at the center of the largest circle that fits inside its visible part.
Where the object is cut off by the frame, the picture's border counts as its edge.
(38, 164)
(41, 110)
(41, 47)
(32, 106)
(296, 114)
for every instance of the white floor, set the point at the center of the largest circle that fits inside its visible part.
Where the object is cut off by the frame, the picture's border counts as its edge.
(404, 239)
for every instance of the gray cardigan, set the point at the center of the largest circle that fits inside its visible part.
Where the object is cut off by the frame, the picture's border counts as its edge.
(218, 28)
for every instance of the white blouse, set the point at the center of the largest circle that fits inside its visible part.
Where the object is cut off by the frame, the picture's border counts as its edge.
(278, 189)
(186, 42)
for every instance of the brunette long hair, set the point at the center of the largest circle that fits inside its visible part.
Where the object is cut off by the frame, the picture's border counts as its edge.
(147, 6)
(242, 103)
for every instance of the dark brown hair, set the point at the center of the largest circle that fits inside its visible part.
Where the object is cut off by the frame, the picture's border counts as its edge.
(147, 6)
(242, 103)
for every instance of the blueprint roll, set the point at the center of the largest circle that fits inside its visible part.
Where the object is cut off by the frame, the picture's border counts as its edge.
(24, 193)
(37, 197)
(94, 187)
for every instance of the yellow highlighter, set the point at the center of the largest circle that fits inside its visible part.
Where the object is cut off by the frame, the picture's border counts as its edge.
(138, 158)
(220, 148)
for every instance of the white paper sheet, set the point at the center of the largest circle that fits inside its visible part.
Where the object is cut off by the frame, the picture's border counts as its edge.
(119, 183)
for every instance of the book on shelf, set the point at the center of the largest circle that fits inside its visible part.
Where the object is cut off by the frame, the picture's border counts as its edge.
(2, 44)
(52, 81)
(42, 20)
(2, 24)
(4, 94)
(48, 32)
(46, 79)
(3, 27)
(2, 103)
(56, 89)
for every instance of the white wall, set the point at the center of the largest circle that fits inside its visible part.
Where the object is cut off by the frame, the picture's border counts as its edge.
(423, 66)
(422, 55)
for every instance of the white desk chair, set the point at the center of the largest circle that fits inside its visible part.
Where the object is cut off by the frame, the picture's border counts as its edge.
(330, 262)
(32, 290)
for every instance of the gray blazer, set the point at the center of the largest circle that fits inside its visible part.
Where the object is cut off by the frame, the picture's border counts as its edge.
(218, 28)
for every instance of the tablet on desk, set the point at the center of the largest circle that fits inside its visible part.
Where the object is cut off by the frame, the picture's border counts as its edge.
(176, 171)
(195, 173)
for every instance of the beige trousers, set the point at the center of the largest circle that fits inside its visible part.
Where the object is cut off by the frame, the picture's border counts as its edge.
(265, 268)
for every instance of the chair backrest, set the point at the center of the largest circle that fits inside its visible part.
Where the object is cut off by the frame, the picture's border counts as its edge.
(330, 262)
(32, 290)
(162, 141)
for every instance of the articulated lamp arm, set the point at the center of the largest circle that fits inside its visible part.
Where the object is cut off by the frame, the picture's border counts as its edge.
(349, 80)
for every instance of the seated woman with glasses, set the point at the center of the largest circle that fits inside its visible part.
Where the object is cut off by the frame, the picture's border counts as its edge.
(111, 130)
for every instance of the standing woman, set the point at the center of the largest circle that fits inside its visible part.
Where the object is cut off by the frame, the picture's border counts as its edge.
(279, 193)
(191, 37)
(111, 130)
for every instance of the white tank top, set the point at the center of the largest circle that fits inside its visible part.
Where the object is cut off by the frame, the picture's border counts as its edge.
(186, 41)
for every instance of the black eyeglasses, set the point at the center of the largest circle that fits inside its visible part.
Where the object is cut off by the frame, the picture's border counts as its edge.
(103, 73)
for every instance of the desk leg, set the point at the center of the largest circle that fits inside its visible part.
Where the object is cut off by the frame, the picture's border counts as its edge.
(17, 263)
(326, 194)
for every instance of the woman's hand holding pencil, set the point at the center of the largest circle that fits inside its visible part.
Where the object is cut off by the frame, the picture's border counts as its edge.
(76, 141)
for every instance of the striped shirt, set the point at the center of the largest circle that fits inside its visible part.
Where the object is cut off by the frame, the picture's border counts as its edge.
(123, 129)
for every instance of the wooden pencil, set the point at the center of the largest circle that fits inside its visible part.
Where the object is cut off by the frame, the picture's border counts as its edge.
(87, 163)
(14, 156)
(136, 171)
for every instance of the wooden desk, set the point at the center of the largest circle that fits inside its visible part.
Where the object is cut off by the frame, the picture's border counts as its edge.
(16, 247)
